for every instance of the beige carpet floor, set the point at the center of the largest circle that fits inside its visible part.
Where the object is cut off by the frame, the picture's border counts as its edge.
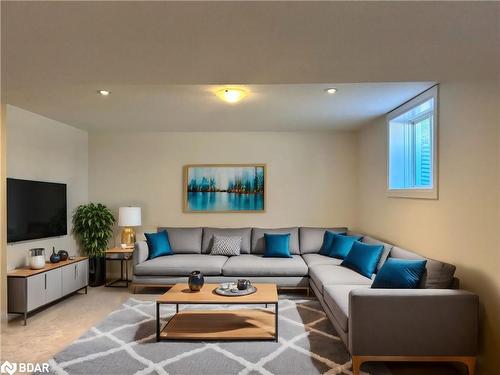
(53, 328)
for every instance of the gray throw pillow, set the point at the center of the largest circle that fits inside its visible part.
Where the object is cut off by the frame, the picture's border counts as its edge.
(228, 246)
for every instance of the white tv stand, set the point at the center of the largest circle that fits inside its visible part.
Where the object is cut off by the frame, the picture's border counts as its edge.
(30, 289)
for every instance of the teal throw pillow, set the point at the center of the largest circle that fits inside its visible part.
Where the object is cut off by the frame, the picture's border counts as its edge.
(400, 274)
(158, 244)
(277, 245)
(341, 245)
(363, 258)
(327, 242)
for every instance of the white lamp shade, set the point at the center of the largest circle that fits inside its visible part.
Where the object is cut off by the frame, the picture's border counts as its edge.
(129, 216)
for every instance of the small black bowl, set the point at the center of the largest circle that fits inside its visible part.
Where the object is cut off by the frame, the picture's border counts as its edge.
(63, 254)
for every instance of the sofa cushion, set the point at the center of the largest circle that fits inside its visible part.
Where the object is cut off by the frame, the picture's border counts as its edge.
(400, 273)
(184, 240)
(325, 274)
(311, 239)
(363, 258)
(228, 246)
(208, 237)
(327, 243)
(277, 245)
(437, 275)
(342, 245)
(387, 249)
(158, 244)
(256, 265)
(337, 300)
(315, 259)
(258, 243)
(181, 265)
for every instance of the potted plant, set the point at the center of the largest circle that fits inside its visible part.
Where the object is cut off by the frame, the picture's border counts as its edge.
(93, 226)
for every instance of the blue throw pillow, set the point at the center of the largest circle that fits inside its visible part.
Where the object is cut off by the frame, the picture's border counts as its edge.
(341, 245)
(400, 274)
(277, 245)
(363, 258)
(158, 244)
(327, 242)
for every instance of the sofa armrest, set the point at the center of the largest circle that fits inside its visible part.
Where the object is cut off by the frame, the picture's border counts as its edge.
(413, 322)
(141, 252)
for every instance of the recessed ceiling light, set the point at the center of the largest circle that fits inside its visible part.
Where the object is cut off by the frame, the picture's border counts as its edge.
(231, 95)
(331, 90)
(104, 92)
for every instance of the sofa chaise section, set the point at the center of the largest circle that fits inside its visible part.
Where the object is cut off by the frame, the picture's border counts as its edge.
(412, 325)
(432, 323)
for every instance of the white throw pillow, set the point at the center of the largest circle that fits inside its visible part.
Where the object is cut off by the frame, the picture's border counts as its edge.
(227, 246)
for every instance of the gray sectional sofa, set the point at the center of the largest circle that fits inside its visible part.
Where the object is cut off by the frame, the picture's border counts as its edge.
(436, 322)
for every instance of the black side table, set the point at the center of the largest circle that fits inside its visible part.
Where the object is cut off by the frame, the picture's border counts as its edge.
(123, 256)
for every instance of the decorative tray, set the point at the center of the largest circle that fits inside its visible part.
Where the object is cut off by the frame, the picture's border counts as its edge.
(235, 292)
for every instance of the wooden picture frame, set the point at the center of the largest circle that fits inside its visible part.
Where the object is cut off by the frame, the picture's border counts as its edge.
(224, 188)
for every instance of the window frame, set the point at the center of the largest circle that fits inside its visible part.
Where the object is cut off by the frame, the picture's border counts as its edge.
(418, 193)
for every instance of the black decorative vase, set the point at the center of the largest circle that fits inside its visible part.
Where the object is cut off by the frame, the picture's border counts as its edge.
(196, 281)
(63, 254)
(54, 258)
(97, 271)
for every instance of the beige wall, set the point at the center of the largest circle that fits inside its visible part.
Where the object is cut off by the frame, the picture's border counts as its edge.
(39, 148)
(462, 226)
(3, 220)
(311, 177)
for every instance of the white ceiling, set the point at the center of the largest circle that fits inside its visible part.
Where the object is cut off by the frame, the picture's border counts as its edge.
(159, 58)
(196, 108)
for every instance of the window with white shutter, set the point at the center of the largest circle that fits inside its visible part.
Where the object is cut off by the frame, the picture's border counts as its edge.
(412, 154)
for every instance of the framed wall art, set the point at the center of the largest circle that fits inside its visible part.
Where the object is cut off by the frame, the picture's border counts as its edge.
(224, 188)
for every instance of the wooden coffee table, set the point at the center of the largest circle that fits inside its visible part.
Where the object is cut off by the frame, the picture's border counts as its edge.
(224, 324)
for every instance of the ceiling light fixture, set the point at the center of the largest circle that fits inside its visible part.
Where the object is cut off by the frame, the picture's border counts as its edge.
(331, 90)
(104, 92)
(231, 95)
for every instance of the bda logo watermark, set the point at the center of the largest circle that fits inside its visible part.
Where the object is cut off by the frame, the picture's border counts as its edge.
(12, 367)
(9, 368)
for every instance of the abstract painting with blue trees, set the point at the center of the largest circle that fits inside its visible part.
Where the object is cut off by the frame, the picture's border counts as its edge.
(224, 188)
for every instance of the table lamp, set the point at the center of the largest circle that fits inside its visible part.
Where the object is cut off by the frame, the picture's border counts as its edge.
(129, 217)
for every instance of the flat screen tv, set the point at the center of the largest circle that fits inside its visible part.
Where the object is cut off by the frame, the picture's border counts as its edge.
(35, 209)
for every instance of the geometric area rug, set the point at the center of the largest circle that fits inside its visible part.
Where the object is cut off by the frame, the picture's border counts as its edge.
(124, 343)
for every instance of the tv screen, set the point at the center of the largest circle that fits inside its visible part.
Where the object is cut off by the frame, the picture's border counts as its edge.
(35, 209)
